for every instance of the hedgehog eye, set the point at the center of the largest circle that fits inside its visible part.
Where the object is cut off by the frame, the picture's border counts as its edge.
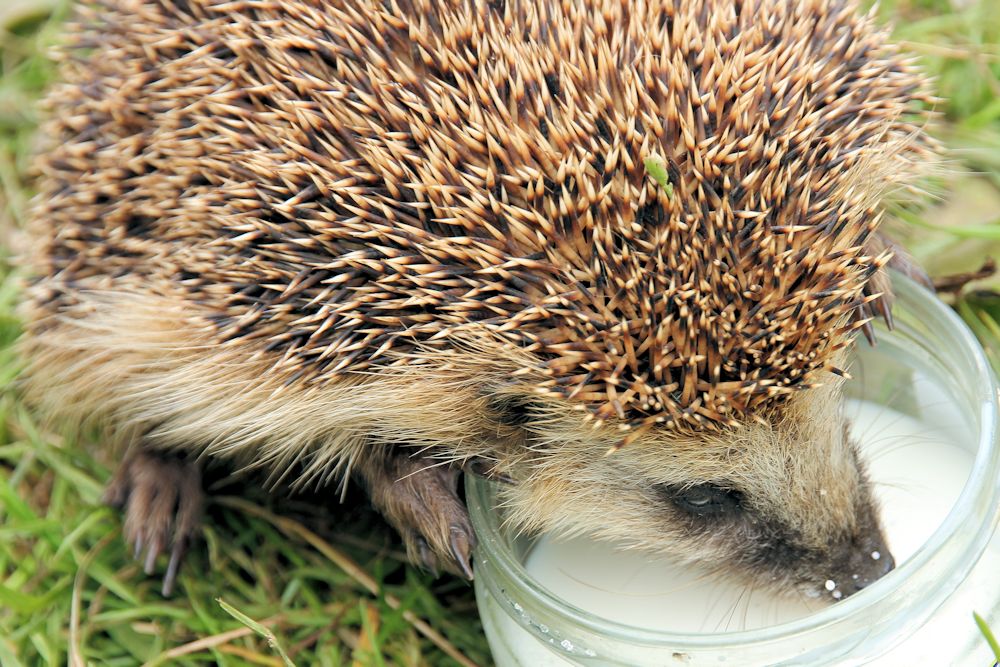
(706, 500)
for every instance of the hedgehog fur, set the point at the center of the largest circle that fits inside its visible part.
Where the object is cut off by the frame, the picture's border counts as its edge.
(308, 235)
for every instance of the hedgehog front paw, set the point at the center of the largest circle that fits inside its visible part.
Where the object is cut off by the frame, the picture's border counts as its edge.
(162, 498)
(880, 286)
(419, 497)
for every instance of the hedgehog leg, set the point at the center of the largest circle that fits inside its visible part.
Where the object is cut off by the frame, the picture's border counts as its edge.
(880, 285)
(419, 497)
(162, 498)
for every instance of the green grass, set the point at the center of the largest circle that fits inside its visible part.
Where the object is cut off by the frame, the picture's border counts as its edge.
(326, 585)
(984, 628)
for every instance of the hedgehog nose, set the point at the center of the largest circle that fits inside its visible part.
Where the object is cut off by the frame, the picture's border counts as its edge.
(867, 565)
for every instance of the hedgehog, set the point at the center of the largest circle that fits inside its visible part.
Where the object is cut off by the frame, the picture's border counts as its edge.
(612, 254)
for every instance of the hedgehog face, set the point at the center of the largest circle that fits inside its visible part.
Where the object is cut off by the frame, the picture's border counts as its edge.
(784, 501)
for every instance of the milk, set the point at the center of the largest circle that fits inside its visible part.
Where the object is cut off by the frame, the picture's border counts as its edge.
(917, 472)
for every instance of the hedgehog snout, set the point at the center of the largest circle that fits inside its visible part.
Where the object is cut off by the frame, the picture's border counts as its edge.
(867, 566)
(867, 561)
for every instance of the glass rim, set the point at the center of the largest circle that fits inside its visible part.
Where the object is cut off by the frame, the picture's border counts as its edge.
(981, 481)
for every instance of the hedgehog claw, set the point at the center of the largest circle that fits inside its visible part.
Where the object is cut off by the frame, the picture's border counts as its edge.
(162, 498)
(885, 310)
(176, 557)
(427, 558)
(149, 565)
(868, 330)
(461, 550)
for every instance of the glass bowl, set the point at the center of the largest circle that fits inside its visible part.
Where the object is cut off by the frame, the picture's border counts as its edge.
(929, 367)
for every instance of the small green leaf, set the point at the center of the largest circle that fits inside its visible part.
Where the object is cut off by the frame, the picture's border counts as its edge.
(657, 168)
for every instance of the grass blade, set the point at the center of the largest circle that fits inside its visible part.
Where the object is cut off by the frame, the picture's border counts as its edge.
(261, 630)
(990, 638)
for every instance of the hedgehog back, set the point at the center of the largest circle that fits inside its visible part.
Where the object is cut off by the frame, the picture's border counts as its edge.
(347, 185)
